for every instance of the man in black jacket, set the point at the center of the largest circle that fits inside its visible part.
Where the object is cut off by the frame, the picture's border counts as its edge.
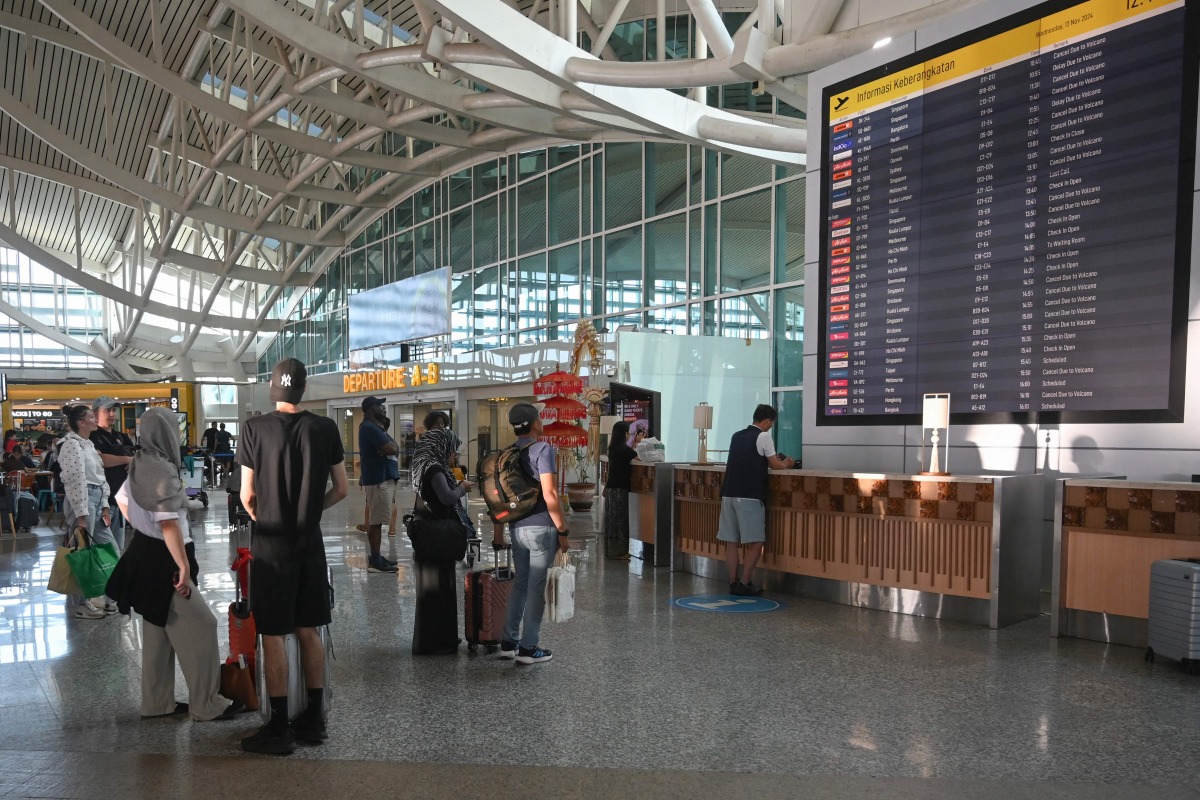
(744, 497)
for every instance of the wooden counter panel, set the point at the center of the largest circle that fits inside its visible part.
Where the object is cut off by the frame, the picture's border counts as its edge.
(1109, 572)
(947, 557)
(641, 480)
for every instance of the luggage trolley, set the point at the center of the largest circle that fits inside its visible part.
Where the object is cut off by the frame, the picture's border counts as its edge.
(193, 482)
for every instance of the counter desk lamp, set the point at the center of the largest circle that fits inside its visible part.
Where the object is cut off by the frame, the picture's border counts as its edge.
(702, 422)
(936, 417)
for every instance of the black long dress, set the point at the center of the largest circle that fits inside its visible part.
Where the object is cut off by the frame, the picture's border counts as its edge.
(435, 624)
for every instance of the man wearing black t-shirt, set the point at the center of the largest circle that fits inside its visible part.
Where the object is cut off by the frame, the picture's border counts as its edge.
(116, 451)
(287, 460)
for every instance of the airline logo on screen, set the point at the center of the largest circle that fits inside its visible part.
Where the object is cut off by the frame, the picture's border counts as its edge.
(384, 379)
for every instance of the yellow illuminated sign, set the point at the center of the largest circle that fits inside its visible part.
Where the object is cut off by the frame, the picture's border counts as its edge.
(1023, 41)
(401, 378)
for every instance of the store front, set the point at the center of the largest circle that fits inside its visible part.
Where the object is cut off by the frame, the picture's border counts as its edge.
(36, 409)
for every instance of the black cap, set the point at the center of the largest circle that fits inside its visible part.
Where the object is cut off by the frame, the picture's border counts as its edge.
(288, 380)
(522, 416)
(373, 401)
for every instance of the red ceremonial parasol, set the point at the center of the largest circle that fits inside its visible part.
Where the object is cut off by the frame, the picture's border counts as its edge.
(562, 409)
(558, 383)
(560, 434)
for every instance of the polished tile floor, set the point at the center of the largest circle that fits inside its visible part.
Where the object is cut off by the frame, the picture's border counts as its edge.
(642, 699)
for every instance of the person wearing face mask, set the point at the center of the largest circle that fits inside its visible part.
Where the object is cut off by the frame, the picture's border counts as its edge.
(379, 471)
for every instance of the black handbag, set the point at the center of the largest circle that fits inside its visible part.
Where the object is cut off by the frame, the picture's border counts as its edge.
(436, 538)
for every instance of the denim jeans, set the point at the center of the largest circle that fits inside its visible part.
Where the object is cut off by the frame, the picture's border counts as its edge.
(533, 549)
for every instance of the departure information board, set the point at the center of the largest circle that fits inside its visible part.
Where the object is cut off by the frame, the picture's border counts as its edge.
(1007, 218)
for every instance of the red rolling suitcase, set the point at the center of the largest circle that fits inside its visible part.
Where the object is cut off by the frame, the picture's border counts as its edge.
(485, 600)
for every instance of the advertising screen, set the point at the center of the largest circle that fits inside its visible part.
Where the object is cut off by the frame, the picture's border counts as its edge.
(413, 308)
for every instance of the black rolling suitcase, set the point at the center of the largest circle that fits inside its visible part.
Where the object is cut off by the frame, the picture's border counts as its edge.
(435, 621)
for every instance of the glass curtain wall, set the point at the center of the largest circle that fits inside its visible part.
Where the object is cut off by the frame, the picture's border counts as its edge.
(662, 235)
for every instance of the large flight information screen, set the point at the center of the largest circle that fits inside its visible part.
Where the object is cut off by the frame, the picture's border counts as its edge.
(1007, 218)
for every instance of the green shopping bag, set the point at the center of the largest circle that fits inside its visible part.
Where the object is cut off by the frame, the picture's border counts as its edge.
(92, 565)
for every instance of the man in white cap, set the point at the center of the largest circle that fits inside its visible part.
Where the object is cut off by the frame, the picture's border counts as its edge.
(288, 458)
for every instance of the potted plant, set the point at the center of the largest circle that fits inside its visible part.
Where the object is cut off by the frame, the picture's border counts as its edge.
(582, 492)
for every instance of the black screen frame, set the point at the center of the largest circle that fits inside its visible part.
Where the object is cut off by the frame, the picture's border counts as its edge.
(1174, 410)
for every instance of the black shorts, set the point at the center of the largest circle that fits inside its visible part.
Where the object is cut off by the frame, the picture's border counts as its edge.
(289, 588)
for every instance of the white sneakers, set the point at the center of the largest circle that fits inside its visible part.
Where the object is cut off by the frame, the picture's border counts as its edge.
(90, 610)
(86, 610)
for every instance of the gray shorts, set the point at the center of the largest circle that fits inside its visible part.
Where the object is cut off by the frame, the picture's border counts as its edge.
(743, 519)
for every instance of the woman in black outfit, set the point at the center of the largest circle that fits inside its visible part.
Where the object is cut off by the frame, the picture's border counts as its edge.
(435, 623)
(616, 493)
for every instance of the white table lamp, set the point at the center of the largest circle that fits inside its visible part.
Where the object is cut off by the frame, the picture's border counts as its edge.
(936, 417)
(702, 421)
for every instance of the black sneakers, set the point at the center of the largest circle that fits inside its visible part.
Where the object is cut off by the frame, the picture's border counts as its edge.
(533, 655)
(746, 589)
(268, 741)
(310, 730)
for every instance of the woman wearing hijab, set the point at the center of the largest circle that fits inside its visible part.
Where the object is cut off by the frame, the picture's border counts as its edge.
(435, 625)
(616, 493)
(157, 578)
(86, 492)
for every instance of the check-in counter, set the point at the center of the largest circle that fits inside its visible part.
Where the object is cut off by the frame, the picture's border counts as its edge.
(1106, 536)
(649, 510)
(956, 547)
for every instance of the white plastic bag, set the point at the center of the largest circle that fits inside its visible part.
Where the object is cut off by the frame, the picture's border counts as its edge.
(652, 450)
(560, 589)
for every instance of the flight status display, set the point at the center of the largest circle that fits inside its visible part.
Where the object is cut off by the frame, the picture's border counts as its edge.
(1007, 218)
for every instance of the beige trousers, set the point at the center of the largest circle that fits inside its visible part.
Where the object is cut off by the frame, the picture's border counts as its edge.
(191, 637)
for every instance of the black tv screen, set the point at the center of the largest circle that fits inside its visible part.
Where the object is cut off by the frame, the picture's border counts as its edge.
(1006, 217)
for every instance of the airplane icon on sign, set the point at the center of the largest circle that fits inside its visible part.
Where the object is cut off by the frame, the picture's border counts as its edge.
(841, 101)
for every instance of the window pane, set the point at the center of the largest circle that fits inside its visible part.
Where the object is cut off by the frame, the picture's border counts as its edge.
(666, 260)
(460, 240)
(566, 301)
(746, 316)
(486, 251)
(460, 188)
(532, 292)
(531, 215)
(742, 172)
(564, 205)
(788, 430)
(789, 336)
(745, 242)
(789, 231)
(622, 184)
(486, 305)
(425, 255)
(623, 271)
(666, 178)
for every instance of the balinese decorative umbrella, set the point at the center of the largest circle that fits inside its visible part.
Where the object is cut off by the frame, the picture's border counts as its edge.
(558, 383)
(562, 409)
(560, 434)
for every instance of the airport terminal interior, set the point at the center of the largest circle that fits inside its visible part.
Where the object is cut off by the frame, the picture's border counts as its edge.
(938, 237)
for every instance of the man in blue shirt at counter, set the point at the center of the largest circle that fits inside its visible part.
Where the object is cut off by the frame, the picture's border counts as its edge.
(378, 453)
(744, 497)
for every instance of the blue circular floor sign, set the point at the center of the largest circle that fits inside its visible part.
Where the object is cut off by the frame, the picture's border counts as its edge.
(727, 603)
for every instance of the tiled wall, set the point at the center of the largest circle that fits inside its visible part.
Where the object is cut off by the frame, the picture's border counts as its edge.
(963, 501)
(1136, 510)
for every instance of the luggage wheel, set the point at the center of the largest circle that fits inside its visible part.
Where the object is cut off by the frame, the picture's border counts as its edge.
(490, 648)
(1149, 655)
(471, 648)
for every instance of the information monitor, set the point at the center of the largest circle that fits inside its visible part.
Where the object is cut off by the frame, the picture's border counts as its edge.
(1006, 217)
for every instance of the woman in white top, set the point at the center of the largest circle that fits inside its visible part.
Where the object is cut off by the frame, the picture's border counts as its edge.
(156, 577)
(86, 494)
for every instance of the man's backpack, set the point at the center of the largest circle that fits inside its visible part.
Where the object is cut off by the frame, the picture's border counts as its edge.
(510, 492)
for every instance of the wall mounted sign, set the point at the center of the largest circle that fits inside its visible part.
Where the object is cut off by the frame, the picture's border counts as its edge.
(409, 377)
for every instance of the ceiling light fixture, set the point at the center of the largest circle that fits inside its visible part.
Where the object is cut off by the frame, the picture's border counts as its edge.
(884, 42)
